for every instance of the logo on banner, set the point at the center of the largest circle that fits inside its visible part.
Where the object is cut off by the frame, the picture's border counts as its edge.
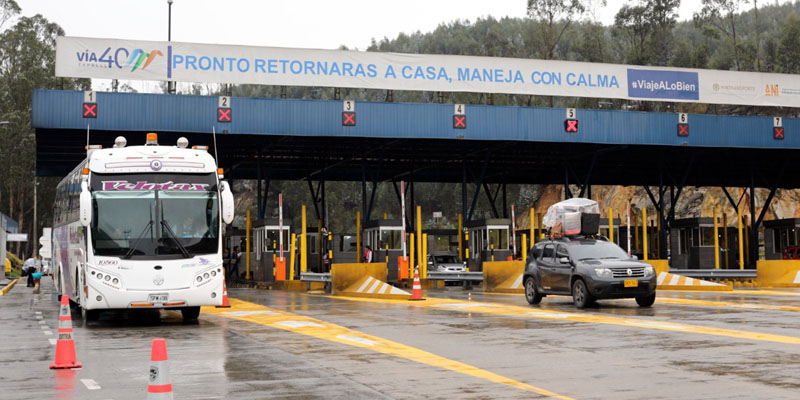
(652, 84)
(120, 58)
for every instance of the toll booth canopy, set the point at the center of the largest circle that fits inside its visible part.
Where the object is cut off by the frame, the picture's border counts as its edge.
(779, 236)
(692, 244)
(488, 238)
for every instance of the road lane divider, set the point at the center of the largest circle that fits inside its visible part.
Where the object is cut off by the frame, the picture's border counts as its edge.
(528, 312)
(91, 384)
(258, 314)
(714, 303)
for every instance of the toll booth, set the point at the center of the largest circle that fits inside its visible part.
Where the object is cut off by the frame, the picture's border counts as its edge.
(692, 244)
(779, 235)
(314, 258)
(266, 247)
(344, 248)
(605, 231)
(488, 238)
(385, 237)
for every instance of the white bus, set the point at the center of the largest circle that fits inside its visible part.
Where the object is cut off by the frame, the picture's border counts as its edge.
(139, 227)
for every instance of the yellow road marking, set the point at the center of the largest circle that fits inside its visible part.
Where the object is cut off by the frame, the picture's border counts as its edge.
(736, 292)
(259, 314)
(528, 312)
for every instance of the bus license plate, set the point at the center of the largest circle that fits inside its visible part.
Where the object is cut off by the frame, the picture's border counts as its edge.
(631, 283)
(157, 298)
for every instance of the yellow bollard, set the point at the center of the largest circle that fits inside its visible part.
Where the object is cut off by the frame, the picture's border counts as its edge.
(524, 247)
(419, 237)
(635, 230)
(746, 226)
(491, 250)
(291, 254)
(725, 239)
(424, 259)
(610, 225)
(387, 254)
(466, 251)
(716, 240)
(460, 237)
(658, 234)
(741, 242)
(358, 237)
(411, 256)
(644, 233)
(532, 217)
(539, 225)
(303, 243)
(385, 216)
(330, 249)
(248, 227)
(319, 245)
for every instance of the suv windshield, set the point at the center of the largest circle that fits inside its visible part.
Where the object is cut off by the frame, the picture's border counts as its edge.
(154, 223)
(445, 259)
(595, 249)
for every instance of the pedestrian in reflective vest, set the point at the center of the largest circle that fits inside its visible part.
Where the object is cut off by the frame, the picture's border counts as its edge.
(368, 255)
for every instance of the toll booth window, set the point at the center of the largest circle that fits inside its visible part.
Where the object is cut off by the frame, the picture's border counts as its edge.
(311, 242)
(273, 240)
(498, 238)
(683, 240)
(707, 236)
(390, 238)
(347, 244)
(441, 243)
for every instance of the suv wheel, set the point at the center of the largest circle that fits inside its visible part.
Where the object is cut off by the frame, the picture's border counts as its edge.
(531, 294)
(646, 301)
(580, 294)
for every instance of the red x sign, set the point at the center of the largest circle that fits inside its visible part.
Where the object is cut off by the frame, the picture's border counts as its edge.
(348, 118)
(777, 132)
(89, 110)
(459, 121)
(224, 115)
(683, 129)
(571, 125)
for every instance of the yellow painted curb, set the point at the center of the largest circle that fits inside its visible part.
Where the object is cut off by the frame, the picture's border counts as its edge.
(370, 286)
(8, 287)
(668, 281)
(778, 273)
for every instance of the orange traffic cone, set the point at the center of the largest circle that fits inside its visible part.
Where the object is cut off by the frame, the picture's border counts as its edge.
(416, 294)
(159, 387)
(225, 303)
(65, 346)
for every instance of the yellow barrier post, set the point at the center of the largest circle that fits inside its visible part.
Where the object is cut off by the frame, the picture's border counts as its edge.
(460, 237)
(330, 249)
(411, 256)
(532, 217)
(658, 234)
(292, 255)
(741, 243)
(248, 227)
(385, 216)
(387, 254)
(358, 237)
(539, 225)
(524, 247)
(303, 243)
(319, 245)
(491, 250)
(644, 233)
(424, 259)
(716, 240)
(419, 238)
(610, 225)
(725, 238)
(746, 239)
(635, 230)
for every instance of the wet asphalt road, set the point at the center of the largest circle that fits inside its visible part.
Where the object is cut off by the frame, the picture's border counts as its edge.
(579, 354)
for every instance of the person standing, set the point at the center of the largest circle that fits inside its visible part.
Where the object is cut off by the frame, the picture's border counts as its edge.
(235, 257)
(30, 267)
(368, 254)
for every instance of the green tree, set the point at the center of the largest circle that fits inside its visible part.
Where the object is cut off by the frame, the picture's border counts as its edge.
(789, 47)
(554, 17)
(723, 16)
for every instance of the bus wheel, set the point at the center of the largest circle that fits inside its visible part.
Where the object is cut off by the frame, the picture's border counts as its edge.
(190, 313)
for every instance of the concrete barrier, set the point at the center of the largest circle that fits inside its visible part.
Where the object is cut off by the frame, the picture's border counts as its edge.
(778, 273)
(364, 280)
(668, 281)
(503, 276)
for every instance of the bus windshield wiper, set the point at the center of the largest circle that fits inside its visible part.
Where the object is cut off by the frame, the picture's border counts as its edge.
(175, 238)
(141, 235)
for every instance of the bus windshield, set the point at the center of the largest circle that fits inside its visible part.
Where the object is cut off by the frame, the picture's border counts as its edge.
(160, 223)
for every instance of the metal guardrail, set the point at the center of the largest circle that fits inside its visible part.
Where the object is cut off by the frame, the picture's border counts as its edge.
(315, 276)
(715, 273)
(456, 276)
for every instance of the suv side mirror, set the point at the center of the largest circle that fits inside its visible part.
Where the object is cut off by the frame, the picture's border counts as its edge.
(564, 260)
(634, 257)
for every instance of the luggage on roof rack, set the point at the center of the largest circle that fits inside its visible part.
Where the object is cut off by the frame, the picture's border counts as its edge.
(573, 217)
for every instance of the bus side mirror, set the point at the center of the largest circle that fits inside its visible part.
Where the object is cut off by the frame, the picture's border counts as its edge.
(227, 202)
(86, 205)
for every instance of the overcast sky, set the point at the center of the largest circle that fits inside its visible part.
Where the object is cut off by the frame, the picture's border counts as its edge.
(322, 24)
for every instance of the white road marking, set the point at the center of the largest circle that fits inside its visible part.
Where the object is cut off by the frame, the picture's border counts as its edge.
(517, 283)
(299, 324)
(466, 305)
(655, 324)
(39, 317)
(48, 333)
(53, 341)
(44, 327)
(42, 322)
(364, 285)
(246, 313)
(661, 277)
(357, 339)
(797, 277)
(90, 384)
(38, 313)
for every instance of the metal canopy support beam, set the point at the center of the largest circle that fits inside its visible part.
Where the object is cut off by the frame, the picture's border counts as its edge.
(492, 199)
(505, 202)
(730, 198)
(478, 185)
(463, 189)
(567, 192)
(363, 191)
(375, 183)
(586, 183)
(315, 196)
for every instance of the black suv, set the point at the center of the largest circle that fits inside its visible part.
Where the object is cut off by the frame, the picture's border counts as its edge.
(588, 268)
